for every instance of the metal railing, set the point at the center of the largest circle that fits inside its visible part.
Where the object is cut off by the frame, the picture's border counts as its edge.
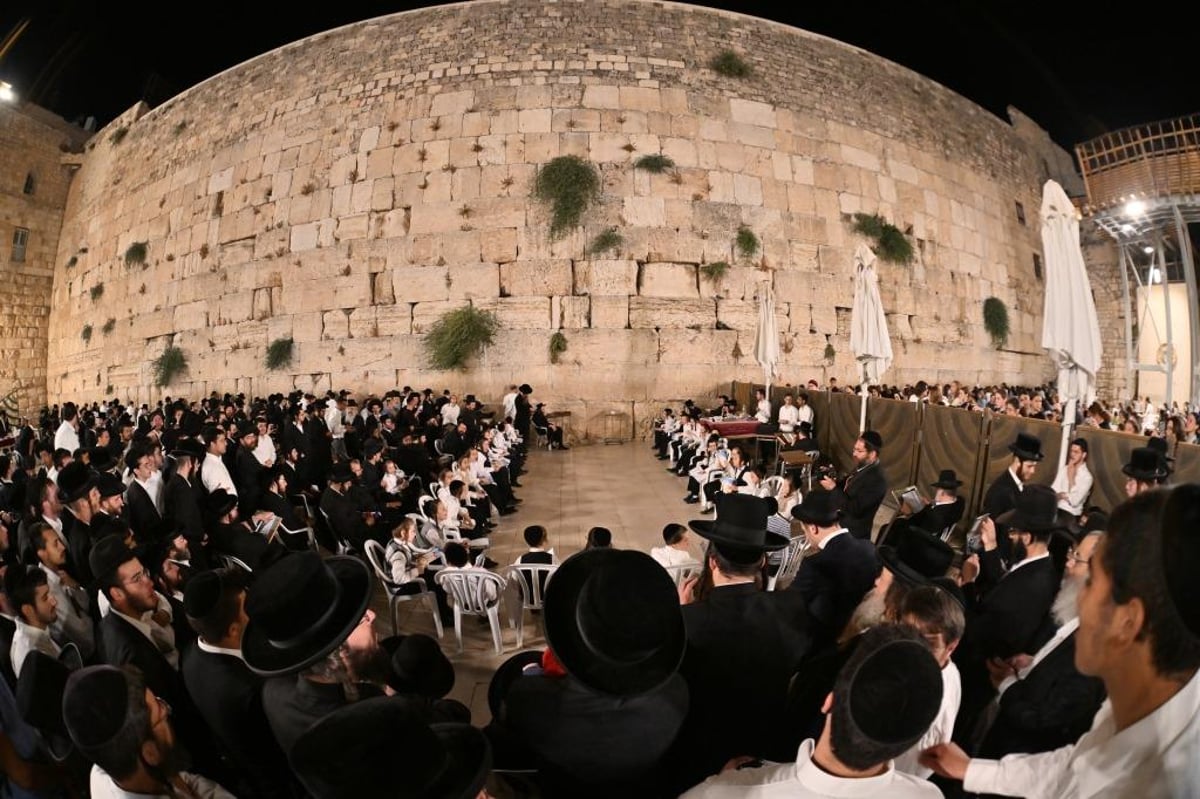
(1159, 159)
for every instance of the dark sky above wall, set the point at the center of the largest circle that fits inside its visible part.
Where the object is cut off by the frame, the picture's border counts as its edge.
(1074, 69)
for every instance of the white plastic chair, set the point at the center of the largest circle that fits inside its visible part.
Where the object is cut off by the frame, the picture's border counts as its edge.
(773, 484)
(232, 561)
(530, 581)
(474, 592)
(377, 557)
(681, 572)
(793, 553)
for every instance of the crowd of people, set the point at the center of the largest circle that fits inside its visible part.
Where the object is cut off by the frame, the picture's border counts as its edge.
(170, 626)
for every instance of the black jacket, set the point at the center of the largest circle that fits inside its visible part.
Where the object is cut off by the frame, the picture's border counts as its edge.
(182, 509)
(861, 494)
(121, 643)
(834, 580)
(144, 517)
(1013, 616)
(743, 647)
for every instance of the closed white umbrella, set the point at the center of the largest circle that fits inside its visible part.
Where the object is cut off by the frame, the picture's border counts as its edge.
(766, 344)
(1070, 331)
(869, 340)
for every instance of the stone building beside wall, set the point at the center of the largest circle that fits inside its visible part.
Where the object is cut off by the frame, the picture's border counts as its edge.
(347, 189)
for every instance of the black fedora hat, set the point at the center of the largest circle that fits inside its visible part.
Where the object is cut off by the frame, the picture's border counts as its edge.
(1027, 447)
(220, 502)
(947, 479)
(351, 753)
(244, 428)
(40, 687)
(300, 609)
(101, 459)
(1181, 552)
(741, 525)
(110, 485)
(821, 508)
(107, 555)
(340, 473)
(613, 620)
(1145, 464)
(75, 480)
(918, 557)
(1036, 511)
(418, 666)
(188, 448)
(1160, 446)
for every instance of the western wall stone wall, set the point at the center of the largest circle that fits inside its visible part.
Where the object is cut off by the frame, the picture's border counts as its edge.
(347, 189)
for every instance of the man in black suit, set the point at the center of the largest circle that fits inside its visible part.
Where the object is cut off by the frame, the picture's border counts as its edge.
(77, 486)
(349, 522)
(142, 507)
(227, 694)
(862, 492)
(840, 569)
(1044, 702)
(944, 511)
(247, 471)
(1001, 496)
(1007, 612)
(738, 635)
(181, 498)
(294, 436)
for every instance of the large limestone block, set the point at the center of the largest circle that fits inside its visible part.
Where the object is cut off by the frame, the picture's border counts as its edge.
(420, 283)
(643, 212)
(542, 278)
(394, 320)
(598, 348)
(519, 313)
(473, 281)
(606, 278)
(690, 347)
(236, 307)
(307, 326)
(348, 291)
(794, 286)
(335, 325)
(569, 312)
(743, 315)
(498, 246)
(426, 313)
(668, 280)
(609, 313)
(191, 315)
(654, 312)
(739, 283)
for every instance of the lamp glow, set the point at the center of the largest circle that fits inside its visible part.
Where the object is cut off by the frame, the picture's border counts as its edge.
(1135, 208)
(7, 95)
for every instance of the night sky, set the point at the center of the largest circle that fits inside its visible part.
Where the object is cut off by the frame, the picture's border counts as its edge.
(1075, 70)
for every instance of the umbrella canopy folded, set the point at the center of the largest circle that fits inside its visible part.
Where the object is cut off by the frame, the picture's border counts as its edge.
(869, 340)
(766, 344)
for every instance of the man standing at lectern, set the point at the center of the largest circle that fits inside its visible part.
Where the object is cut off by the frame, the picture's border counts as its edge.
(863, 491)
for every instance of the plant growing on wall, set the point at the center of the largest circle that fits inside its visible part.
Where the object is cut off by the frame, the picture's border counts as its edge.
(569, 185)
(118, 134)
(610, 239)
(72, 261)
(890, 243)
(86, 333)
(167, 366)
(729, 64)
(108, 326)
(995, 321)
(830, 352)
(458, 335)
(715, 272)
(656, 163)
(96, 291)
(136, 253)
(558, 345)
(279, 353)
(746, 242)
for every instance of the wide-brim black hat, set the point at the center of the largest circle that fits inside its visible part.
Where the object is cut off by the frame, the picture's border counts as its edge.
(1036, 511)
(741, 524)
(418, 666)
(108, 554)
(110, 485)
(40, 688)
(190, 448)
(75, 480)
(301, 608)
(101, 459)
(340, 473)
(351, 753)
(1027, 447)
(1181, 552)
(220, 502)
(918, 557)
(947, 479)
(1145, 464)
(821, 508)
(613, 620)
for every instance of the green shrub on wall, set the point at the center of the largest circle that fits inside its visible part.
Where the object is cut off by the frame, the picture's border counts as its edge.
(279, 353)
(459, 335)
(995, 320)
(136, 253)
(86, 333)
(746, 242)
(558, 345)
(729, 64)
(890, 243)
(96, 291)
(167, 366)
(569, 185)
(610, 239)
(656, 163)
(714, 272)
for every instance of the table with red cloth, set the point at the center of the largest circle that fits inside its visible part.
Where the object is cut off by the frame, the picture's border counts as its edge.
(732, 427)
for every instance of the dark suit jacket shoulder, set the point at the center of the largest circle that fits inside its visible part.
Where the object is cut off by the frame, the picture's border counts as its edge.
(1012, 617)
(144, 517)
(121, 643)
(834, 580)
(861, 494)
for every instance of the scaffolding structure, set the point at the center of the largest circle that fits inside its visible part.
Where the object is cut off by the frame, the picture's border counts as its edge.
(1143, 190)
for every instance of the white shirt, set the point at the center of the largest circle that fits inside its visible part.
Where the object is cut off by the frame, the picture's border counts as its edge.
(825, 542)
(804, 414)
(66, 438)
(264, 451)
(764, 411)
(214, 475)
(335, 421)
(804, 779)
(163, 637)
(450, 413)
(940, 730)
(789, 416)
(1029, 560)
(205, 646)
(103, 787)
(510, 405)
(26, 639)
(1152, 759)
(1076, 494)
(670, 556)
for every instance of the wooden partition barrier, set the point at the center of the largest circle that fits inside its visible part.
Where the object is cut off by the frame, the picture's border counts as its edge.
(1108, 451)
(898, 422)
(841, 430)
(1002, 431)
(952, 438)
(1187, 464)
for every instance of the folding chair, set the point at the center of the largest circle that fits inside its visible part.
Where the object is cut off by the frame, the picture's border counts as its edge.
(530, 580)
(377, 557)
(474, 592)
